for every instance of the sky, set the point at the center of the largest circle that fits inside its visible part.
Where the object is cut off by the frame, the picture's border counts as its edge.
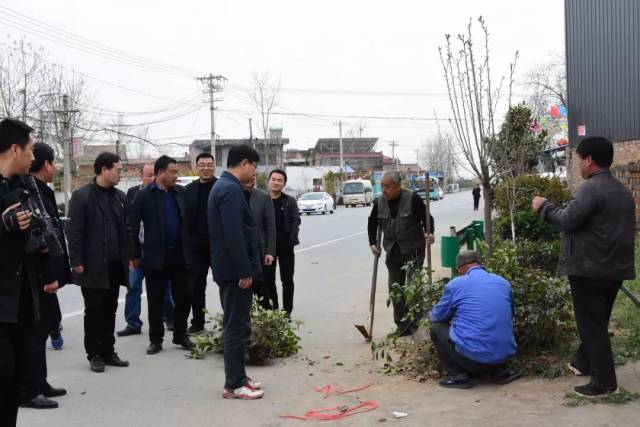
(342, 60)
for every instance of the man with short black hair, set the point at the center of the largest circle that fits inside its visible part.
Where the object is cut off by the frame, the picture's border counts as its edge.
(132, 305)
(598, 238)
(472, 325)
(287, 218)
(235, 256)
(196, 196)
(36, 391)
(99, 239)
(164, 253)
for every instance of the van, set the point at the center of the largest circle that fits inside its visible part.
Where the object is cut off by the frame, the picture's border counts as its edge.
(357, 192)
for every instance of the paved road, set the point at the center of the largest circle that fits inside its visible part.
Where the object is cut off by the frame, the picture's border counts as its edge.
(333, 270)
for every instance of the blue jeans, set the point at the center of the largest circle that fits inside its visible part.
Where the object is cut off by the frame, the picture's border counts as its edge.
(132, 304)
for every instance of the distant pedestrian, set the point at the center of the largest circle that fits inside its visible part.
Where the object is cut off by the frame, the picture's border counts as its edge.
(196, 196)
(99, 251)
(235, 255)
(476, 197)
(164, 254)
(287, 229)
(598, 238)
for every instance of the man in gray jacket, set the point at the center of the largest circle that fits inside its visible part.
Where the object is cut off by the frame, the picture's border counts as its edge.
(263, 214)
(598, 236)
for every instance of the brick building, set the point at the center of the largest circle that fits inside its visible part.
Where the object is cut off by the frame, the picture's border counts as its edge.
(603, 83)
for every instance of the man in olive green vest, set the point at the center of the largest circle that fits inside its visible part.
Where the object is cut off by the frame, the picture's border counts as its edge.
(401, 215)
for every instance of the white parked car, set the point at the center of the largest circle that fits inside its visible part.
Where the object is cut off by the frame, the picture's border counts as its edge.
(316, 202)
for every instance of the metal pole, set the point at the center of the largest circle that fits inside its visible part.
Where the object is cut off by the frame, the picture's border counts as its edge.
(213, 123)
(427, 186)
(67, 153)
(341, 151)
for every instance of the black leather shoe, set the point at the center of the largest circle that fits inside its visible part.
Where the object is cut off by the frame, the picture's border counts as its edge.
(128, 331)
(169, 325)
(49, 391)
(184, 342)
(97, 364)
(195, 329)
(39, 402)
(154, 348)
(114, 360)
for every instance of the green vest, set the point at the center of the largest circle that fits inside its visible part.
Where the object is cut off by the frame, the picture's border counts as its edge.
(404, 230)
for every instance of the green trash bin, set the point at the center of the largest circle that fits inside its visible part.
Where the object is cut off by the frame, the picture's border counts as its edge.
(478, 227)
(449, 249)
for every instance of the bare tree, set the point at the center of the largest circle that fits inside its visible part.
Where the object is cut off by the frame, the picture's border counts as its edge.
(473, 98)
(22, 79)
(547, 85)
(265, 97)
(438, 154)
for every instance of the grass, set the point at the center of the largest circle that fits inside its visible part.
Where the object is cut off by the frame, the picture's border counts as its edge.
(623, 396)
(625, 321)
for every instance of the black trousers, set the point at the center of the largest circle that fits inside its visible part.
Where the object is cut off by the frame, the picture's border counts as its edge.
(237, 332)
(100, 306)
(34, 377)
(476, 203)
(592, 304)
(175, 272)
(286, 259)
(395, 262)
(259, 290)
(200, 264)
(454, 363)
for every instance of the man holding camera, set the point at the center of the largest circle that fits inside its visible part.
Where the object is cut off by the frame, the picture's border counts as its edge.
(99, 250)
(21, 273)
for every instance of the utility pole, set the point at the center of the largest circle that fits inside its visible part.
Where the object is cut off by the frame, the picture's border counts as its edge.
(341, 150)
(212, 85)
(393, 154)
(41, 130)
(66, 146)
(418, 161)
(253, 144)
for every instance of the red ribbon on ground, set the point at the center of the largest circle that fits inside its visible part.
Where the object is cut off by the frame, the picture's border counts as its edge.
(339, 412)
(332, 388)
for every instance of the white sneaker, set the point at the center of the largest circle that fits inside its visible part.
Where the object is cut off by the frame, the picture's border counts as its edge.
(256, 385)
(244, 392)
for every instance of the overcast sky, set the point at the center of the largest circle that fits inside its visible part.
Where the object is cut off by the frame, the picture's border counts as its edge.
(333, 58)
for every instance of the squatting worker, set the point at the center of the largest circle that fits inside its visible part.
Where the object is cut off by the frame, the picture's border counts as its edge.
(236, 260)
(598, 236)
(472, 325)
(402, 217)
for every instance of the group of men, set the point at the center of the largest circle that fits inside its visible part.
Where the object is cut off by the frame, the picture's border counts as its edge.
(160, 232)
(472, 324)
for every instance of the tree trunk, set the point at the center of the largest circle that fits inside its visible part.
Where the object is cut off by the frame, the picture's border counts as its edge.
(487, 193)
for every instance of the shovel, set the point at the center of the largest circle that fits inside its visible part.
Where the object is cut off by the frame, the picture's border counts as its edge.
(368, 334)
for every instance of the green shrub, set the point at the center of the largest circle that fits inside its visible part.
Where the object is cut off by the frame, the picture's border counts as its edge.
(272, 335)
(541, 299)
(529, 226)
(528, 186)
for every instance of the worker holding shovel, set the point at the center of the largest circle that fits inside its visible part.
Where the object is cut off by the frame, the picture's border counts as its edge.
(401, 217)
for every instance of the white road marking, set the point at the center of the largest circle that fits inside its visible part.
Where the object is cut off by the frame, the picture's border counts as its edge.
(308, 248)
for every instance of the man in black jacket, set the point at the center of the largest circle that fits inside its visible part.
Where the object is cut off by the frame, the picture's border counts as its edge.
(99, 240)
(18, 289)
(36, 391)
(287, 227)
(598, 238)
(132, 305)
(196, 195)
(165, 252)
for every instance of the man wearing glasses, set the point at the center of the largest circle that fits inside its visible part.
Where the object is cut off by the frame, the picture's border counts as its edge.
(197, 195)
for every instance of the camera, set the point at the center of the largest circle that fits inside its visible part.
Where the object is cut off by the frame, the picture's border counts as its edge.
(43, 232)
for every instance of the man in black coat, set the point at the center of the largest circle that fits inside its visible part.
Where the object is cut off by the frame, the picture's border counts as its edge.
(597, 254)
(165, 252)
(36, 391)
(20, 282)
(133, 299)
(476, 197)
(287, 219)
(99, 240)
(196, 195)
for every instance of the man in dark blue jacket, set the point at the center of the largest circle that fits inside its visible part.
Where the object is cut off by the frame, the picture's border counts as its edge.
(161, 209)
(236, 260)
